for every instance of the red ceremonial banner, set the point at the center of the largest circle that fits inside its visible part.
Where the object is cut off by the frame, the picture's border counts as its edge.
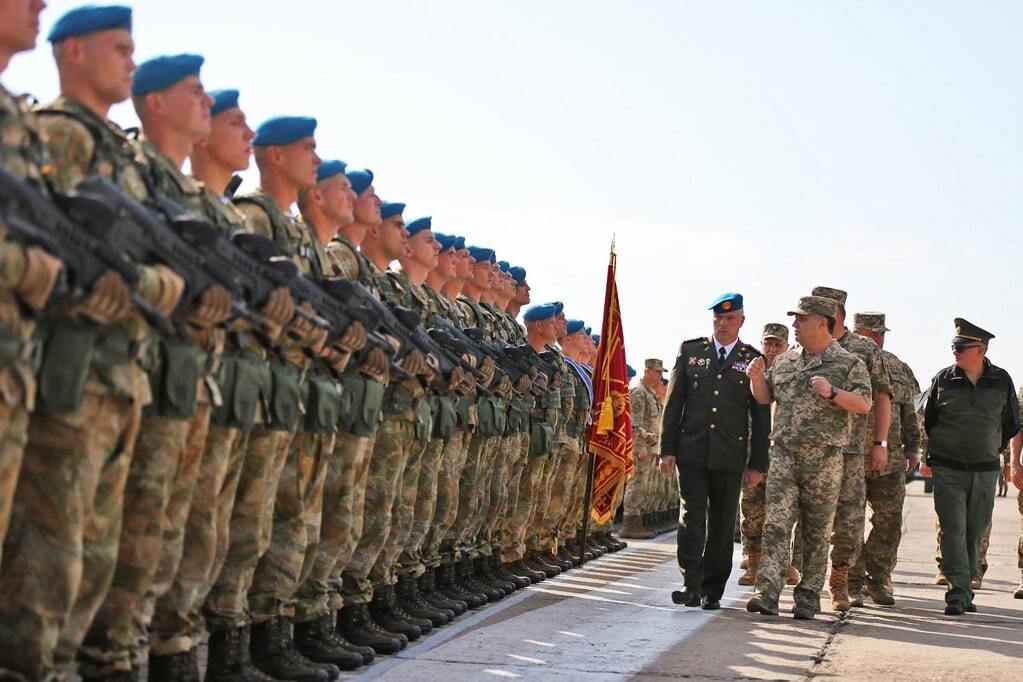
(610, 435)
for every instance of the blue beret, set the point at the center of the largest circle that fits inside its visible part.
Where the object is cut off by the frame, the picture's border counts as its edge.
(281, 130)
(447, 242)
(158, 73)
(540, 311)
(727, 302)
(361, 179)
(503, 265)
(459, 243)
(575, 326)
(559, 307)
(389, 209)
(90, 18)
(418, 225)
(589, 331)
(223, 100)
(329, 169)
(630, 370)
(596, 338)
(480, 253)
(518, 274)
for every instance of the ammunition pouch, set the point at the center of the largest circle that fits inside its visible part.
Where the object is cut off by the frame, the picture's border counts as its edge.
(363, 400)
(68, 347)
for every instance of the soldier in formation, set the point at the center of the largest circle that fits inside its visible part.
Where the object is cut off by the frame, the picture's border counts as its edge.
(213, 439)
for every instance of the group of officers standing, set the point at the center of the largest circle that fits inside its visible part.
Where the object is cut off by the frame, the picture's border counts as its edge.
(291, 490)
(812, 434)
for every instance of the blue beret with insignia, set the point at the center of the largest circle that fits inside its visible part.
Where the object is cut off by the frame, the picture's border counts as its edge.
(158, 73)
(418, 225)
(596, 338)
(503, 264)
(88, 19)
(480, 254)
(223, 100)
(329, 169)
(540, 311)
(518, 274)
(389, 209)
(559, 307)
(459, 243)
(361, 179)
(726, 303)
(446, 241)
(575, 326)
(630, 370)
(282, 130)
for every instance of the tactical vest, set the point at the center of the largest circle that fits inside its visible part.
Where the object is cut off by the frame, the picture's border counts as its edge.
(483, 319)
(287, 234)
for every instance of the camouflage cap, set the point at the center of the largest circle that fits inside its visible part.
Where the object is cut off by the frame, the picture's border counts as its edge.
(871, 321)
(967, 331)
(834, 294)
(776, 330)
(816, 305)
(654, 363)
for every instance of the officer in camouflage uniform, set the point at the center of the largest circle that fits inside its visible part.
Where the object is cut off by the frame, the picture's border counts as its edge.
(91, 386)
(28, 273)
(847, 540)
(174, 109)
(886, 489)
(646, 426)
(815, 389)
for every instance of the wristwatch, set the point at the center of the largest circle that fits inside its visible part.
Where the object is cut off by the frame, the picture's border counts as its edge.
(834, 392)
(882, 443)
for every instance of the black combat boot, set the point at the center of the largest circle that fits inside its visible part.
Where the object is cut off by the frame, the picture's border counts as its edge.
(564, 555)
(380, 613)
(413, 603)
(228, 658)
(536, 562)
(450, 587)
(552, 558)
(519, 568)
(485, 573)
(273, 651)
(180, 667)
(503, 571)
(469, 579)
(117, 676)
(315, 641)
(356, 626)
(398, 611)
(428, 588)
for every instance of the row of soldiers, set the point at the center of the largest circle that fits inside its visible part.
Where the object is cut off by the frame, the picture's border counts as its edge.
(299, 493)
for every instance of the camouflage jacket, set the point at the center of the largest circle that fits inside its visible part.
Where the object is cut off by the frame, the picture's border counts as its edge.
(880, 382)
(802, 418)
(646, 416)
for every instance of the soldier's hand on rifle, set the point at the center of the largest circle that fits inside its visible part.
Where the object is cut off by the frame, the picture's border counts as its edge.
(524, 384)
(336, 358)
(376, 365)
(487, 368)
(353, 339)
(305, 332)
(38, 276)
(414, 363)
(170, 286)
(108, 301)
(504, 387)
(277, 312)
(213, 307)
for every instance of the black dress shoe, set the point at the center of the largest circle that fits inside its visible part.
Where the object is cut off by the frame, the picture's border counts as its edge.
(971, 608)
(954, 609)
(711, 604)
(686, 597)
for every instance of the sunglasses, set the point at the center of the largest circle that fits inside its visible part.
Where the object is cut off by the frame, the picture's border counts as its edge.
(962, 347)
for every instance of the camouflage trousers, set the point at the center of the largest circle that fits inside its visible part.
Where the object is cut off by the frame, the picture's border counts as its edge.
(387, 464)
(496, 497)
(157, 496)
(470, 493)
(804, 484)
(295, 527)
(639, 488)
(411, 558)
(504, 523)
(403, 511)
(753, 507)
(521, 520)
(885, 495)
(539, 539)
(226, 605)
(61, 547)
(850, 515)
(573, 520)
(982, 546)
(435, 548)
(561, 489)
(13, 436)
(177, 622)
(344, 501)
(475, 541)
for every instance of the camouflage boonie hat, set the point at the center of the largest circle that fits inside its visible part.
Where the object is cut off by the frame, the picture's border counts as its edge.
(834, 294)
(871, 321)
(776, 330)
(654, 363)
(816, 305)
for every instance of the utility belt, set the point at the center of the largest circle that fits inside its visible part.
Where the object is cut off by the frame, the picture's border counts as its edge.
(935, 460)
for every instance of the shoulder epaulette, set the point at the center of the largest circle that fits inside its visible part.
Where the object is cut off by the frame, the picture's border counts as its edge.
(698, 339)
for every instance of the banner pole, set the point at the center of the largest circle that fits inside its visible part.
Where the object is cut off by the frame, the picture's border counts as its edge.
(587, 502)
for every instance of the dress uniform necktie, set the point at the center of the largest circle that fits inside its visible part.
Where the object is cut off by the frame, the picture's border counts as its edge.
(721, 356)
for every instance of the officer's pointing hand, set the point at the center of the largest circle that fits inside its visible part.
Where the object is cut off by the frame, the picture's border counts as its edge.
(821, 386)
(756, 369)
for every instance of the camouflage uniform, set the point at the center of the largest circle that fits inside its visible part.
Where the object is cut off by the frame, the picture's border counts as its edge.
(808, 435)
(163, 472)
(641, 492)
(886, 489)
(344, 493)
(847, 539)
(566, 460)
(571, 519)
(176, 597)
(57, 568)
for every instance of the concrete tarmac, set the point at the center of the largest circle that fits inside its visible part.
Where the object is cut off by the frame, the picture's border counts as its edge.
(614, 620)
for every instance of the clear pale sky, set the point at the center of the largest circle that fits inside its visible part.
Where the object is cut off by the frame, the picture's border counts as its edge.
(759, 147)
